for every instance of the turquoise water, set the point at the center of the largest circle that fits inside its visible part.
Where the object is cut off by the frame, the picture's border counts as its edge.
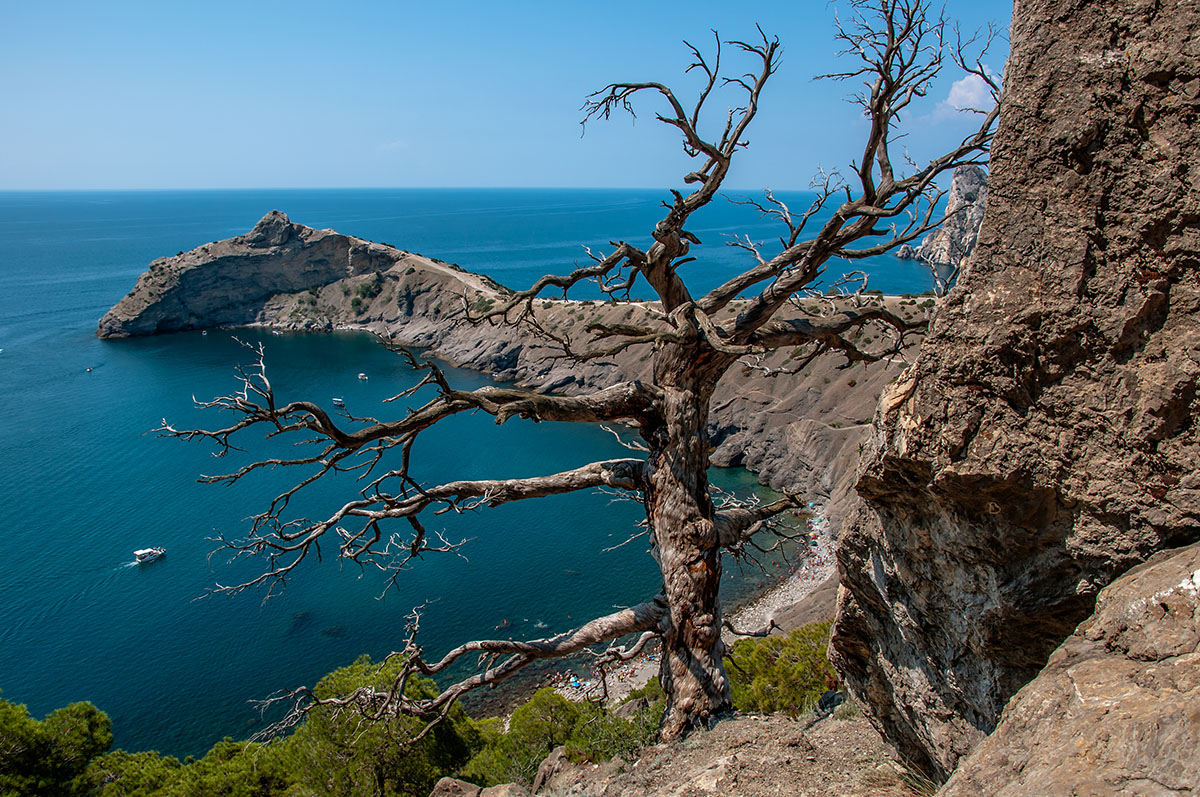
(83, 482)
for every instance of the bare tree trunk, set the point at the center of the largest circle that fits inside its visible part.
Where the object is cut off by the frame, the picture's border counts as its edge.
(680, 513)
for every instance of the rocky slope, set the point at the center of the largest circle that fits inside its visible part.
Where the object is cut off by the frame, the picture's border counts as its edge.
(293, 276)
(750, 756)
(1045, 440)
(1117, 703)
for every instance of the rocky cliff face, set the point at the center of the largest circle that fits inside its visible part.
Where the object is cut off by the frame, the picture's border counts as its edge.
(286, 273)
(947, 248)
(1115, 710)
(1045, 440)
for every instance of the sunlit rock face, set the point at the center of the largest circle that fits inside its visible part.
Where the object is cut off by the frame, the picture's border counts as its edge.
(1045, 440)
(1114, 711)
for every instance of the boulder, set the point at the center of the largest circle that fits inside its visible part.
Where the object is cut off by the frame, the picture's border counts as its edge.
(1117, 708)
(1045, 439)
(453, 787)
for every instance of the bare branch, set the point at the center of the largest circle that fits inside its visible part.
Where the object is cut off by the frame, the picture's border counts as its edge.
(504, 658)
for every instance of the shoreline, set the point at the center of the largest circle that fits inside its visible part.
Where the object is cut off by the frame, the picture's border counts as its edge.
(755, 616)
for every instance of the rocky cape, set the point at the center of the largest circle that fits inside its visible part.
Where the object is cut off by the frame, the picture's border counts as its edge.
(798, 432)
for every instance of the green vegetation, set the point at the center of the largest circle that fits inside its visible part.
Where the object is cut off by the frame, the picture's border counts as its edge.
(50, 756)
(482, 304)
(780, 674)
(368, 290)
(343, 753)
(588, 732)
(329, 753)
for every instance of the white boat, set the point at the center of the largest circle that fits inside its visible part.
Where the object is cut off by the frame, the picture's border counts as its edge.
(148, 554)
(363, 377)
(337, 402)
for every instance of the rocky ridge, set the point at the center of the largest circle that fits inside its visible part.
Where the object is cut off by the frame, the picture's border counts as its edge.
(746, 755)
(1045, 440)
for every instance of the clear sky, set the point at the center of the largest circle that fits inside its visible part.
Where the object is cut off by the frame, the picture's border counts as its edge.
(216, 94)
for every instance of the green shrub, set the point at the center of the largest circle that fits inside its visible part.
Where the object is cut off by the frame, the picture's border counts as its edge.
(368, 290)
(343, 753)
(599, 734)
(780, 674)
(330, 753)
(588, 732)
(535, 729)
(49, 757)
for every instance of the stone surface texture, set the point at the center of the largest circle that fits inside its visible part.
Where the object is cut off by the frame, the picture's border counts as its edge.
(285, 271)
(748, 756)
(1117, 708)
(1046, 439)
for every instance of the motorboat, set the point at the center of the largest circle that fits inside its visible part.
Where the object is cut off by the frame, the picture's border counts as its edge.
(148, 554)
(338, 402)
(363, 377)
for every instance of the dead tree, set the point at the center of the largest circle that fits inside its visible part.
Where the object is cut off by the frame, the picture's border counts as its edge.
(898, 48)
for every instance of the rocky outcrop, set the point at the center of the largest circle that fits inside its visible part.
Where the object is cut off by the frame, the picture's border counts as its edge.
(947, 248)
(1117, 708)
(452, 787)
(1046, 439)
(748, 756)
(291, 275)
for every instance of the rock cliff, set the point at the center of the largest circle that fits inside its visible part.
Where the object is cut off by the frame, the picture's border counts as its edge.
(295, 276)
(1045, 440)
(947, 248)
(1115, 710)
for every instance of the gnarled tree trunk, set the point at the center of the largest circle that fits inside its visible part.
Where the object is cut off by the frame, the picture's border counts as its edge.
(681, 517)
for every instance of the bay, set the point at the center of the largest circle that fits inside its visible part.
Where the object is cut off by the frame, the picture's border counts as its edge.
(83, 481)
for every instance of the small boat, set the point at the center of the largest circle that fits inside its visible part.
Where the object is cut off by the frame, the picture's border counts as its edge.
(363, 377)
(338, 402)
(148, 554)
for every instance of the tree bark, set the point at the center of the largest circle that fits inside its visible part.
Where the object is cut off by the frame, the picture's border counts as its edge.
(685, 540)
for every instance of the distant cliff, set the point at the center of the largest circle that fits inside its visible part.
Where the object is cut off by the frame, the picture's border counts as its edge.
(289, 275)
(947, 248)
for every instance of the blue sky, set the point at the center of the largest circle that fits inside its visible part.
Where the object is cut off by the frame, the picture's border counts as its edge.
(221, 94)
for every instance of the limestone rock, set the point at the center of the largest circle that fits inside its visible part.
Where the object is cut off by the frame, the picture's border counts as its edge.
(1045, 439)
(1117, 708)
(290, 275)
(748, 756)
(947, 248)
(505, 790)
(551, 766)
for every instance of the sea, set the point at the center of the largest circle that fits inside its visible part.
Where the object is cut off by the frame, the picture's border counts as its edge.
(84, 479)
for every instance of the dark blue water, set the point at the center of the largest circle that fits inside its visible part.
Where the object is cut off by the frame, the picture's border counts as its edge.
(83, 482)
